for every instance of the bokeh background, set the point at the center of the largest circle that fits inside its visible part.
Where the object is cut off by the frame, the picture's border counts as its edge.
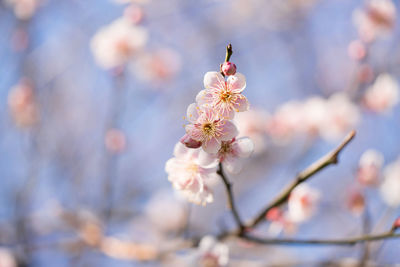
(88, 159)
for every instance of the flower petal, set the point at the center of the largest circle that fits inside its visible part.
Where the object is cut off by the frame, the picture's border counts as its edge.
(237, 82)
(192, 113)
(232, 164)
(204, 97)
(194, 132)
(180, 150)
(211, 146)
(229, 131)
(243, 147)
(214, 80)
(241, 104)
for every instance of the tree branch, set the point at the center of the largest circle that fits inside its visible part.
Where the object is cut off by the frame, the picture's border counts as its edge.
(328, 159)
(337, 242)
(231, 202)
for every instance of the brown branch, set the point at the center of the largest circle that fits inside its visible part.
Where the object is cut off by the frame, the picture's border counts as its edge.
(231, 202)
(328, 159)
(337, 242)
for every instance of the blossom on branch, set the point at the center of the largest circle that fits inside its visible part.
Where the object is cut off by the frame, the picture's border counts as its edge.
(302, 203)
(369, 167)
(232, 151)
(213, 253)
(383, 95)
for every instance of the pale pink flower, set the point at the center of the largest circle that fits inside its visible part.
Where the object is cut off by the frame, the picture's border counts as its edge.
(377, 18)
(302, 203)
(7, 259)
(357, 50)
(224, 96)
(189, 172)
(356, 202)
(341, 117)
(390, 186)
(209, 128)
(115, 44)
(252, 123)
(213, 253)
(23, 9)
(22, 104)
(314, 112)
(383, 95)
(231, 153)
(134, 13)
(369, 167)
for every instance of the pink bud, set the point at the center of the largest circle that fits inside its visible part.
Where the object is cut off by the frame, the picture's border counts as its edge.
(274, 214)
(189, 142)
(228, 68)
(396, 224)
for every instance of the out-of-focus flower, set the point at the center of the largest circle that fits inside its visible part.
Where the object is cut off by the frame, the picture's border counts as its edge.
(396, 224)
(6, 258)
(225, 97)
(365, 73)
(369, 167)
(208, 127)
(314, 112)
(134, 13)
(131, 1)
(115, 140)
(377, 18)
(280, 221)
(390, 186)
(115, 44)
(23, 9)
(189, 171)
(383, 95)
(302, 203)
(356, 202)
(22, 104)
(232, 151)
(342, 115)
(166, 212)
(213, 253)
(252, 123)
(357, 50)
(190, 142)
(228, 68)
(157, 67)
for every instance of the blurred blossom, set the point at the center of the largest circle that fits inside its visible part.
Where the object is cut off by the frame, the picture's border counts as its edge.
(189, 172)
(22, 104)
(302, 203)
(131, 1)
(390, 186)
(115, 44)
(280, 221)
(383, 95)
(157, 67)
(7, 259)
(375, 19)
(23, 9)
(231, 152)
(356, 202)
(166, 212)
(342, 116)
(212, 253)
(134, 13)
(369, 167)
(365, 73)
(357, 50)
(115, 140)
(314, 112)
(252, 123)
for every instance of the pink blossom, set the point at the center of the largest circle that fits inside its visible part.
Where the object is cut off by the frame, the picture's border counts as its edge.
(232, 151)
(390, 186)
(23, 9)
(209, 128)
(383, 95)
(302, 203)
(225, 97)
(228, 68)
(7, 259)
(376, 19)
(369, 167)
(213, 253)
(189, 172)
(357, 50)
(356, 202)
(22, 104)
(190, 142)
(115, 44)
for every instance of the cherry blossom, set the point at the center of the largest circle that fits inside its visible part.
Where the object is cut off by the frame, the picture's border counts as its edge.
(7, 259)
(209, 128)
(232, 151)
(190, 171)
(369, 167)
(225, 97)
(213, 253)
(23, 9)
(22, 104)
(302, 203)
(383, 95)
(115, 44)
(390, 186)
(356, 202)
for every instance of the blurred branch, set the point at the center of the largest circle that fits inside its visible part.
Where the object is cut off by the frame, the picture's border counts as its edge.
(344, 241)
(328, 159)
(231, 202)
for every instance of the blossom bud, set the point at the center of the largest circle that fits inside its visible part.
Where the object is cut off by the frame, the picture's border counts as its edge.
(396, 224)
(228, 68)
(189, 142)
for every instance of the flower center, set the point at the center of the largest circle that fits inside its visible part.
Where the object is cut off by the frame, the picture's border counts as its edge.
(225, 96)
(225, 148)
(192, 168)
(209, 129)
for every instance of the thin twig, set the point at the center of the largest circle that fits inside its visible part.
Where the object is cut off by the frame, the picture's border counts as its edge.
(339, 242)
(231, 202)
(328, 159)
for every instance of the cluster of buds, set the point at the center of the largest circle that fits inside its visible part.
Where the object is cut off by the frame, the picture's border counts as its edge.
(211, 134)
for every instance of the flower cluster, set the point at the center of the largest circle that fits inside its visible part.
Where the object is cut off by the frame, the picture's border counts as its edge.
(211, 134)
